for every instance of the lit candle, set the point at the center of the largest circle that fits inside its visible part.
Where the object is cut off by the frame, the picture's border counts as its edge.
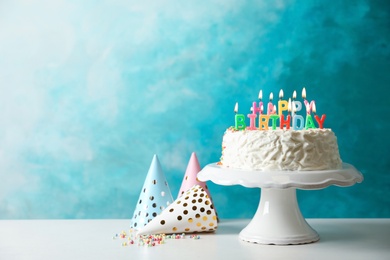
(263, 122)
(282, 104)
(321, 120)
(304, 95)
(308, 111)
(271, 110)
(252, 116)
(259, 109)
(309, 106)
(296, 106)
(309, 120)
(286, 122)
(274, 117)
(293, 108)
(239, 119)
(289, 105)
(297, 123)
(261, 102)
(305, 101)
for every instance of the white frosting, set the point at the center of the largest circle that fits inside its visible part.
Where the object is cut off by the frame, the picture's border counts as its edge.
(305, 150)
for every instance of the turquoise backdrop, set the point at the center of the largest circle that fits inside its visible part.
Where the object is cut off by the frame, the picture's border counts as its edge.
(91, 90)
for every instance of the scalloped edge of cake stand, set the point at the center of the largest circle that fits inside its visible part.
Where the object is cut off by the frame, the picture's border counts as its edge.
(348, 175)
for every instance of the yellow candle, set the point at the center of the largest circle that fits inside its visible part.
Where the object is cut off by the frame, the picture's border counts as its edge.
(282, 104)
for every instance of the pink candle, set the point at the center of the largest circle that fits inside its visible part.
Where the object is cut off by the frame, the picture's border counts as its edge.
(308, 111)
(252, 118)
(270, 109)
(259, 109)
(308, 105)
(260, 101)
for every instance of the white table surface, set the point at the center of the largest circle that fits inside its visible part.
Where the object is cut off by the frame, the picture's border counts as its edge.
(93, 239)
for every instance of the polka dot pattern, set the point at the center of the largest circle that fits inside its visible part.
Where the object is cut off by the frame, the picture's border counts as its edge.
(190, 179)
(155, 197)
(185, 215)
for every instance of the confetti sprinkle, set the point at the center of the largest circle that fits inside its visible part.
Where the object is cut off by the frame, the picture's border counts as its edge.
(149, 240)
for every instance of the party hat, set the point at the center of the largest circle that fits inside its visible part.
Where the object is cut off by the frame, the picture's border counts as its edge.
(154, 198)
(190, 178)
(192, 212)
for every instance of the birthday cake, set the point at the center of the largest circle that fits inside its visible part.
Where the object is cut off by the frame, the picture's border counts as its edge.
(280, 142)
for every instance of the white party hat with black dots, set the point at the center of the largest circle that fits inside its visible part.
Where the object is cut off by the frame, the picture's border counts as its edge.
(154, 198)
(192, 212)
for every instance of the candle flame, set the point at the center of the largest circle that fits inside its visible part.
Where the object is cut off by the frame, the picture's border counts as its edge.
(275, 108)
(294, 94)
(314, 108)
(261, 94)
(289, 105)
(236, 108)
(271, 96)
(262, 108)
(304, 93)
(281, 94)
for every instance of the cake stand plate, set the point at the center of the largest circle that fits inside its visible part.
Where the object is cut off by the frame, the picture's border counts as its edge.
(278, 219)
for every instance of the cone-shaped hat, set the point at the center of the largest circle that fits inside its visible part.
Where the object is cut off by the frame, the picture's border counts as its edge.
(192, 212)
(154, 198)
(190, 177)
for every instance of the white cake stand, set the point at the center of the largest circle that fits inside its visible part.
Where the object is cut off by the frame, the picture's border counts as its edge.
(278, 219)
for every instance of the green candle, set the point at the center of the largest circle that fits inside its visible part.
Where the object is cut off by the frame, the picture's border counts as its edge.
(273, 120)
(309, 122)
(239, 119)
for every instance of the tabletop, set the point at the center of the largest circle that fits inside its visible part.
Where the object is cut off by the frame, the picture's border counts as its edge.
(96, 239)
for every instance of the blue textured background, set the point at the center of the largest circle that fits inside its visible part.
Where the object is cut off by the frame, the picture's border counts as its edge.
(90, 90)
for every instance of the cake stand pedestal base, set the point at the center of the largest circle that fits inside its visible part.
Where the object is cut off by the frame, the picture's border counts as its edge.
(278, 220)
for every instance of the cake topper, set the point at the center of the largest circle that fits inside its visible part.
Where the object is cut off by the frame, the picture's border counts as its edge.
(286, 114)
